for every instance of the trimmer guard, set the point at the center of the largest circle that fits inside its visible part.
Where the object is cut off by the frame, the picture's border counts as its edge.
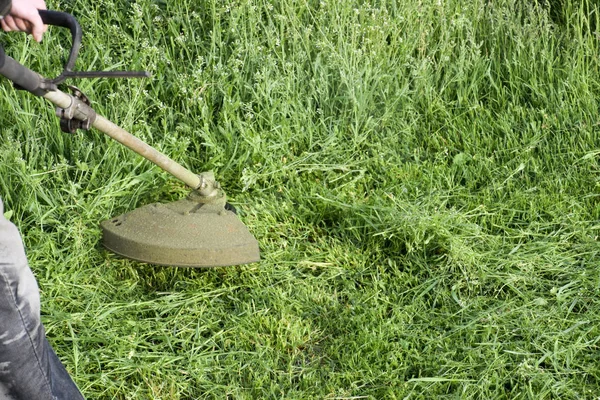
(183, 233)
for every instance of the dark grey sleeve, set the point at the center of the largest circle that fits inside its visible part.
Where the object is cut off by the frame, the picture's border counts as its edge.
(5, 6)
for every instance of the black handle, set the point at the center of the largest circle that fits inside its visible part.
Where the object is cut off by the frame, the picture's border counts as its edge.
(65, 20)
(21, 76)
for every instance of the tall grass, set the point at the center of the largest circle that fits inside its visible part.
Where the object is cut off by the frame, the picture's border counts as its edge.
(422, 177)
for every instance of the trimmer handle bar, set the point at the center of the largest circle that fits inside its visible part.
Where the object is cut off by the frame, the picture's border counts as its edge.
(65, 20)
(29, 80)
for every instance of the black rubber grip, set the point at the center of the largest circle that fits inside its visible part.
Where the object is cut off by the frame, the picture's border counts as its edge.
(59, 18)
(20, 75)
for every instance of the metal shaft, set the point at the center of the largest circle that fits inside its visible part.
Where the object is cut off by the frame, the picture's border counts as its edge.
(64, 100)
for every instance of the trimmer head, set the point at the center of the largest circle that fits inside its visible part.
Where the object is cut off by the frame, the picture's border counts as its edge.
(183, 233)
(192, 232)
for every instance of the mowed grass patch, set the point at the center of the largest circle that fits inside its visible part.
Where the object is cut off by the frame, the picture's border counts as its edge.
(422, 178)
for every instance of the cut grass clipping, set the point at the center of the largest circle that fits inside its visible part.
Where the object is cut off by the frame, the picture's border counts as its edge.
(423, 178)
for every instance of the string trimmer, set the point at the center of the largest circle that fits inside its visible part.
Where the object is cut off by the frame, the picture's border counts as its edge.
(201, 230)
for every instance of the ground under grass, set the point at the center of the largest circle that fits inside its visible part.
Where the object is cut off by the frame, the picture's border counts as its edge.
(422, 176)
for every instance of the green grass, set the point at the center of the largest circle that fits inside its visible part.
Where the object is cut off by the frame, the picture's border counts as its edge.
(422, 176)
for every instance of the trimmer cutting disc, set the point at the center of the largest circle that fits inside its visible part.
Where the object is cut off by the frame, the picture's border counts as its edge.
(184, 233)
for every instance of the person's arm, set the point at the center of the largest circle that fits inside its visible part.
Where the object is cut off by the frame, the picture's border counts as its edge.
(23, 16)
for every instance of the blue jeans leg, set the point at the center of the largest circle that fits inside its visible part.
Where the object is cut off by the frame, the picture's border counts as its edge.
(29, 368)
